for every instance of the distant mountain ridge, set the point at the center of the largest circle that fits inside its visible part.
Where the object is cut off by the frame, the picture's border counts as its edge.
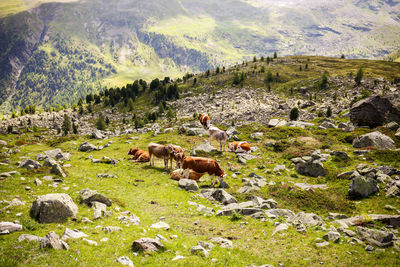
(57, 52)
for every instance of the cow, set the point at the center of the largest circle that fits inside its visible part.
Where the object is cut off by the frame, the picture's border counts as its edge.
(139, 155)
(219, 135)
(203, 165)
(177, 153)
(239, 147)
(179, 173)
(159, 151)
(205, 120)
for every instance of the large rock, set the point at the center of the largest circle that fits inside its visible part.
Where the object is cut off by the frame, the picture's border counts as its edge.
(188, 185)
(373, 112)
(277, 122)
(362, 186)
(308, 219)
(145, 244)
(52, 153)
(374, 139)
(203, 149)
(313, 169)
(9, 227)
(53, 208)
(223, 197)
(87, 196)
(375, 237)
(52, 240)
(29, 164)
(55, 167)
(85, 147)
(74, 234)
(97, 134)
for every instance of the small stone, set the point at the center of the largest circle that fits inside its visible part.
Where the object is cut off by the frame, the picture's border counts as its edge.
(160, 225)
(90, 242)
(199, 250)
(124, 261)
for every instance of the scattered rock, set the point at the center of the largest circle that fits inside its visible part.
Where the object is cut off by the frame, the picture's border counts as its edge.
(147, 245)
(222, 242)
(281, 227)
(124, 261)
(375, 237)
(53, 208)
(111, 229)
(313, 169)
(9, 227)
(362, 187)
(160, 225)
(52, 240)
(257, 136)
(74, 234)
(203, 149)
(308, 219)
(322, 244)
(29, 164)
(199, 250)
(97, 134)
(90, 242)
(30, 238)
(99, 209)
(277, 123)
(340, 154)
(332, 236)
(223, 197)
(188, 185)
(374, 139)
(87, 147)
(87, 196)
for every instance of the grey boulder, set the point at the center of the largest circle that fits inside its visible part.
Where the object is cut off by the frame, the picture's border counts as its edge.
(374, 139)
(53, 208)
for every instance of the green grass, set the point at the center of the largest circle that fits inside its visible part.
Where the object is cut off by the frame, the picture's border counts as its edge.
(160, 196)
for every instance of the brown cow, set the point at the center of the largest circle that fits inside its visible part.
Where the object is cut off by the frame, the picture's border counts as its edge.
(177, 153)
(203, 165)
(139, 155)
(239, 147)
(159, 151)
(205, 120)
(179, 174)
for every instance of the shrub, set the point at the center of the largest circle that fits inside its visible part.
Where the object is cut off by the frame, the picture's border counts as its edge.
(100, 123)
(359, 76)
(329, 112)
(294, 114)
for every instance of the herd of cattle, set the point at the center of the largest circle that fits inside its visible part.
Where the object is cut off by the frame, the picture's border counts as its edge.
(191, 167)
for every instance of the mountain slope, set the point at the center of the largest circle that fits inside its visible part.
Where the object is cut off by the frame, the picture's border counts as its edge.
(56, 53)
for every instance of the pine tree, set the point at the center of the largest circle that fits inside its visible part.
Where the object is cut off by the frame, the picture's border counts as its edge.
(74, 128)
(66, 126)
(130, 105)
(324, 80)
(254, 59)
(359, 76)
(275, 55)
(329, 112)
(100, 123)
(294, 114)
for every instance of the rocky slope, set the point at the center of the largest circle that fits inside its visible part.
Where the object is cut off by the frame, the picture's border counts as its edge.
(56, 53)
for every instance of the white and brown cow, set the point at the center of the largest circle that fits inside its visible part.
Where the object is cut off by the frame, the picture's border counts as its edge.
(205, 120)
(159, 151)
(179, 174)
(239, 147)
(219, 135)
(203, 165)
(177, 153)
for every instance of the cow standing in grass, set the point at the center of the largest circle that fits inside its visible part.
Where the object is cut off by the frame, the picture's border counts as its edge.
(219, 135)
(177, 153)
(203, 165)
(159, 151)
(205, 120)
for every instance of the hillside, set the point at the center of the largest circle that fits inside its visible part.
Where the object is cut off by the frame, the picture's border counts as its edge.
(308, 193)
(57, 52)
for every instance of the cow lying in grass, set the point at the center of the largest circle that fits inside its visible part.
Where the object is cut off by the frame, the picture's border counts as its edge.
(239, 147)
(177, 153)
(205, 120)
(203, 165)
(219, 135)
(159, 151)
(139, 155)
(179, 174)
